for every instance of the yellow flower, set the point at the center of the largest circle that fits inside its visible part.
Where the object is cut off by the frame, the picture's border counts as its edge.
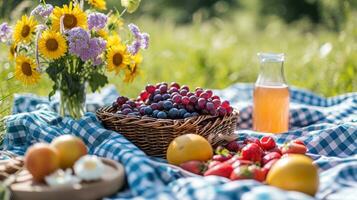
(133, 69)
(113, 40)
(117, 58)
(52, 44)
(73, 16)
(25, 70)
(24, 29)
(103, 34)
(99, 4)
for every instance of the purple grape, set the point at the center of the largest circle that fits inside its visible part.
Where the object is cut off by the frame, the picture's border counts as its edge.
(174, 94)
(131, 103)
(172, 90)
(125, 106)
(198, 92)
(213, 112)
(150, 88)
(161, 105)
(209, 92)
(161, 115)
(216, 103)
(216, 97)
(157, 91)
(185, 87)
(163, 89)
(221, 111)
(174, 85)
(183, 92)
(194, 114)
(121, 100)
(126, 111)
(193, 99)
(165, 96)
(204, 95)
(190, 94)
(185, 100)
(154, 106)
(210, 106)
(115, 104)
(142, 110)
(157, 97)
(201, 103)
(177, 98)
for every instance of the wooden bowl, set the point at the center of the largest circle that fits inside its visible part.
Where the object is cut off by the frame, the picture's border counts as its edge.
(112, 180)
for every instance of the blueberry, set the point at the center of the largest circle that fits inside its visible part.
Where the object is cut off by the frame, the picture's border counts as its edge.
(115, 105)
(168, 105)
(157, 98)
(148, 110)
(187, 115)
(165, 96)
(194, 114)
(173, 113)
(142, 110)
(162, 115)
(182, 112)
(160, 105)
(154, 113)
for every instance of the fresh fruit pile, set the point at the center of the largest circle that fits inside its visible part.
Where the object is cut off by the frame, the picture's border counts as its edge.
(249, 159)
(173, 101)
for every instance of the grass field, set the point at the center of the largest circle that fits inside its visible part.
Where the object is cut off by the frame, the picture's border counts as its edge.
(220, 52)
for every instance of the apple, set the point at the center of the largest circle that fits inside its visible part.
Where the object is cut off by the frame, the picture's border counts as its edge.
(70, 148)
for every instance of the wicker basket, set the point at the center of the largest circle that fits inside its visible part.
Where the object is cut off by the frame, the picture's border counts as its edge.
(153, 135)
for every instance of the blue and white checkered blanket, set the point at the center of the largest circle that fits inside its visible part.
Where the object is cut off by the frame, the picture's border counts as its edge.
(328, 127)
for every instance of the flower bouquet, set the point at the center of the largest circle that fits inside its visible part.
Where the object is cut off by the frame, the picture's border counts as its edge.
(75, 47)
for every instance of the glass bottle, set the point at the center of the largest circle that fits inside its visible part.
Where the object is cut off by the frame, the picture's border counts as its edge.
(271, 95)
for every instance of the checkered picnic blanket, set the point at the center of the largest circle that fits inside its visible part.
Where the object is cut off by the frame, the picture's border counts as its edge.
(327, 125)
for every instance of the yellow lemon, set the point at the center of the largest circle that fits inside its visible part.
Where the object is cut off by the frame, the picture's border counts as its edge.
(188, 147)
(295, 172)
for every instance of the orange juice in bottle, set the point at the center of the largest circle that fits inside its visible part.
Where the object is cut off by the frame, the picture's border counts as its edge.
(271, 96)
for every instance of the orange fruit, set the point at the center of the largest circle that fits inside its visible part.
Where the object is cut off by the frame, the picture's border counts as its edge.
(295, 172)
(188, 147)
(41, 160)
(70, 148)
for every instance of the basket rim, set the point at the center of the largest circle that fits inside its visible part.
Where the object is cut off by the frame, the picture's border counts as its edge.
(104, 110)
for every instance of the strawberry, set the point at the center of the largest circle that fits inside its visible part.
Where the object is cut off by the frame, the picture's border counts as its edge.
(252, 152)
(222, 158)
(267, 143)
(234, 146)
(293, 148)
(223, 169)
(233, 159)
(194, 166)
(252, 140)
(270, 156)
(241, 163)
(213, 163)
(248, 172)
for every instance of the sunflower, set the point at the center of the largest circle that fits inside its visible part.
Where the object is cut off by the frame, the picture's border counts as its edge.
(117, 58)
(99, 4)
(52, 44)
(115, 22)
(24, 29)
(73, 16)
(133, 69)
(25, 70)
(113, 40)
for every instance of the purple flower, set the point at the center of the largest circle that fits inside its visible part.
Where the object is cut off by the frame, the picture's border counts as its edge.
(97, 21)
(135, 30)
(81, 45)
(97, 61)
(42, 10)
(141, 40)
(5, 32)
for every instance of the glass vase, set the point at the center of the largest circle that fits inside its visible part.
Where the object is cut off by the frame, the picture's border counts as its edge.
(72, 103)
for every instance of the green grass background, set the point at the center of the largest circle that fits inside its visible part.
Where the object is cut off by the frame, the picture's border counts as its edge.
(218, 52)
